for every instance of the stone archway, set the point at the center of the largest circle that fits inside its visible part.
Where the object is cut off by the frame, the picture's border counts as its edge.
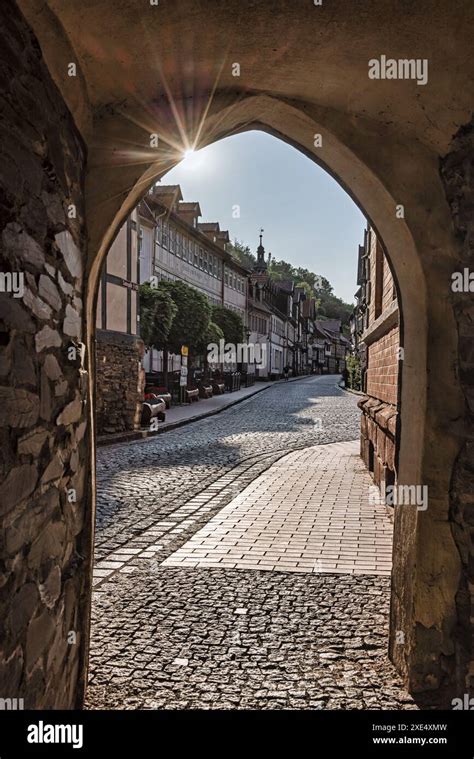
(103, 161)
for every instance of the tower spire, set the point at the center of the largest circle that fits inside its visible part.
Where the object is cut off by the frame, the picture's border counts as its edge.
(261, 265)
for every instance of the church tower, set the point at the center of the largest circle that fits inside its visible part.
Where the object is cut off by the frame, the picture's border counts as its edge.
(261, 266)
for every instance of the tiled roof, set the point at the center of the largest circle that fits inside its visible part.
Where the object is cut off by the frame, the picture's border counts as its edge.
(167, 189)
(209, 226)
(190, 206)
(331, 325)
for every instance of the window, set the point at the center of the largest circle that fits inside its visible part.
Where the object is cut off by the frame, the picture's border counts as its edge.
(179, 244)
(226, 276)
(205, 261)
(159, 231)
(165, 234)
(195, 255)
(172, 239)
(201, 258)
(185, 248)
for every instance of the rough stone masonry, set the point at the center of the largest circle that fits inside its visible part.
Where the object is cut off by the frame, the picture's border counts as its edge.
(43, 380)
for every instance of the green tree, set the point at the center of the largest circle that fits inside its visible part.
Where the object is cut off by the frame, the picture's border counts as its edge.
(230, 323)
(212, 334)
(304, 275)
(157, 312)
(332, 307)
(353, 367)
(242, 254)
(319, 283)
(306, 287)
(279, 270)
(192, 317)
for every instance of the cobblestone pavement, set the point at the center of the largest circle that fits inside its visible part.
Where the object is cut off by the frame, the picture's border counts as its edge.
(167, 637)
(213, 638)
(143, 482)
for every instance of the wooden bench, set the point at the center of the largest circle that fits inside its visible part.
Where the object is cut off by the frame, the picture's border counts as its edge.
(218, 388)
(205, 391)
(161, 392)
(151, 409)
(192, 395)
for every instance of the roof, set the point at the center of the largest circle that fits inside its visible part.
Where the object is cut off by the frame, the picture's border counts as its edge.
(259, 305)
(287, 285)
(192, 205)
(145, 212)
(322, 332)
(167, 189)
(180, 220)
(209, 226)
(331, 325)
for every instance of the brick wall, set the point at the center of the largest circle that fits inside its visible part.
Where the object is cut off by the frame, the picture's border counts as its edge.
(121, 380)
(379, 406)
(382, 369)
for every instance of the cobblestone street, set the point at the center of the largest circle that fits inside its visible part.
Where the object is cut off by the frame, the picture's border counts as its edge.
(240, 566)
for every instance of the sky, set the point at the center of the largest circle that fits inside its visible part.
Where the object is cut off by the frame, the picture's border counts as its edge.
(307, 218)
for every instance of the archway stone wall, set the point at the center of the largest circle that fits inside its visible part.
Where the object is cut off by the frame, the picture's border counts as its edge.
(386, 153)
(457, 172)
(44, 436)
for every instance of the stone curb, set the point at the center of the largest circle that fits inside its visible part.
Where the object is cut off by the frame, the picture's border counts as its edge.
(350, 390)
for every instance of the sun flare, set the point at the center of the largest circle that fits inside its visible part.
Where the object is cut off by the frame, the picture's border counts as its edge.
(192, 159)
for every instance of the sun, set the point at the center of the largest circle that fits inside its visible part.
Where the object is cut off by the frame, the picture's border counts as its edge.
(191, 159)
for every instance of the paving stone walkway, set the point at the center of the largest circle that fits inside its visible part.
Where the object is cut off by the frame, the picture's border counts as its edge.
(309, 512)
